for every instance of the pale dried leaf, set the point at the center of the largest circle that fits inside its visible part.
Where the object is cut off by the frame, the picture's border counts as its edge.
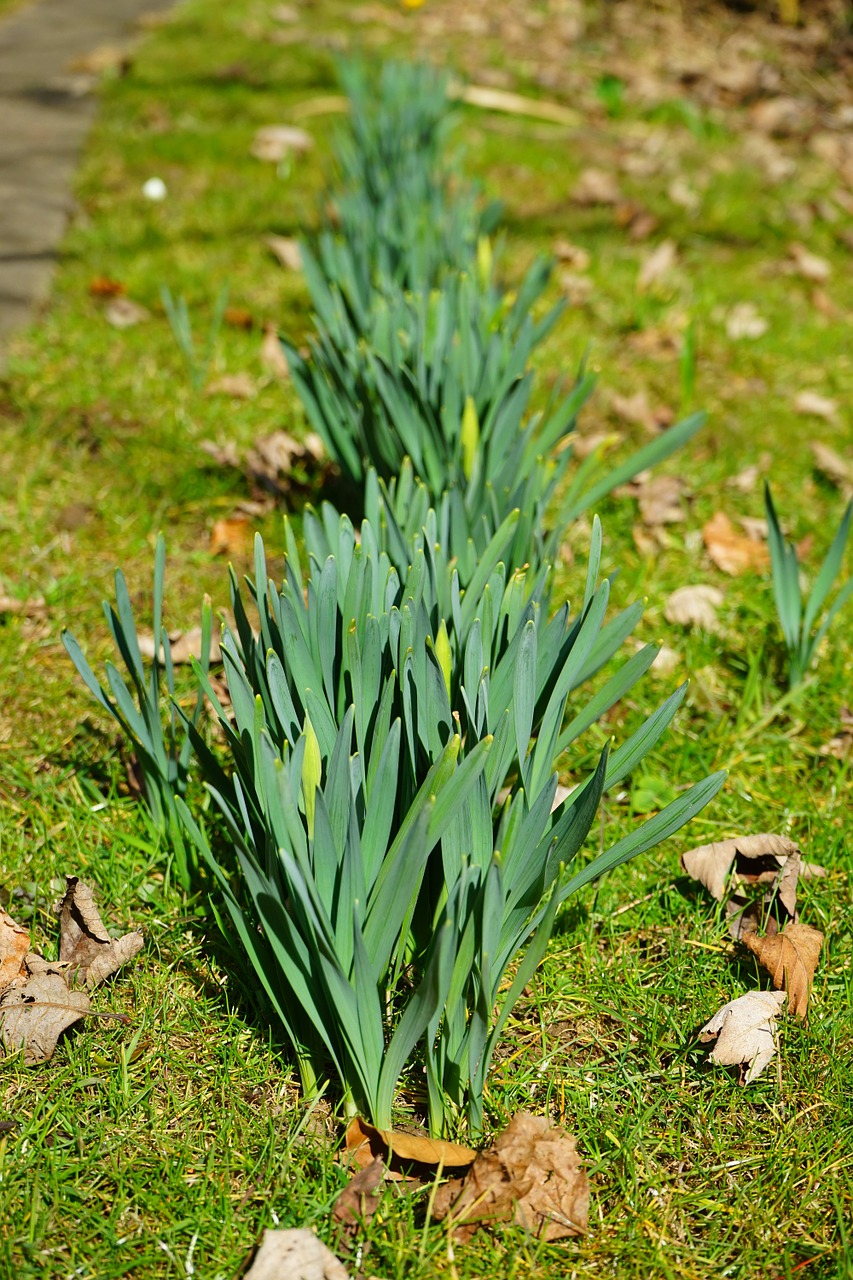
(596, 186)
(286, 250)
(275, 141)
(124, 313)
(571, 254)
(83, 940)
(14, 945)
(232, 536)
(814, 405)
(783, 116)
(33, 1014)
(183, 646)
(239, 386)
(808, 264)
(29, 608)
(531, 1175)
(710, 864)
(514, 104)
(744, 1032)
(743, 321)
(694, 606)
(735, 553)
(790, 957)
(635, 409)
(295, 1254)
(657, 264)
(272, 355)
(838, 470)
(659, 500)
(682, 194)
(745, 481)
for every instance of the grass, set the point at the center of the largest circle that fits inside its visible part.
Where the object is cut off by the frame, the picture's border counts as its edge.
(163, 1149)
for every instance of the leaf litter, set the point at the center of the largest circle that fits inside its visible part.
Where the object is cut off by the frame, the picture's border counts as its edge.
(39, 999)
(744, 1032)
(790, 957)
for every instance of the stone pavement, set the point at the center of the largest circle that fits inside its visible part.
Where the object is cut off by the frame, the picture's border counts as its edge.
(45, 112)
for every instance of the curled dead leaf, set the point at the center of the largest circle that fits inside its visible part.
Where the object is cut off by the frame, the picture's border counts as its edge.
(732, 552)
(531, 1175)
(83, 939)
(769, 860)
(694, 606)
(14, 945)
(790, 957)
(596, 186)
(358, 1200)
(838, 470)
(745, 1033)
(365, 1142)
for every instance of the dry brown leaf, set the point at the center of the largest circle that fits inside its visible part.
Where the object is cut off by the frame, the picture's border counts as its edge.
(659, 499)
(571, 254)
(271, 459)
(735, 553)
(366, 1143)
(183, 646)
(822, 303)
(746, 481)
(838, 470)
(14, 945)
(30, 608)
(596, 186)
(636, 410)
(239, 386)
(577, 288)
(774, 861)
(694, 606)
(744, 1032)
(231, 536)
(83, 940)
(103, 59)
(286, 250)
(275, 141)
(657, 264)
(783, 116)
(358, 1201)
(104, 287)
(531, 1175)
(743, 321)
(124, 313)
(682, 194)
(814, 405)
(514, 104)
(295, 1254)
(238, 318)
(34, 1014)
(272, 356)
(808, 264)
(790, 957)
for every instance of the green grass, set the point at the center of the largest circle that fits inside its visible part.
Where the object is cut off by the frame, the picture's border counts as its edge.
(182, 1135)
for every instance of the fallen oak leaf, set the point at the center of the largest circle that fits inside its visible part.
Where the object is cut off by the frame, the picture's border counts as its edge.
(531, 1175)
(732, 552)
(14, 947)
(83, 939)
(744, 1032)
(790, 957)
